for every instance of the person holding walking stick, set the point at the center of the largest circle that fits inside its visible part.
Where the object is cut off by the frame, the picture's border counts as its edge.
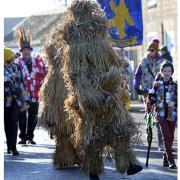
(163, 96)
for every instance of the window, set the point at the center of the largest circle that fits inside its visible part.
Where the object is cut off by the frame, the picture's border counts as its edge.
(170, 42)
(151, 3)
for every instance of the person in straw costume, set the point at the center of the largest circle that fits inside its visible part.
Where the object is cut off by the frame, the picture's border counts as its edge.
(92, 74)
(52, 96)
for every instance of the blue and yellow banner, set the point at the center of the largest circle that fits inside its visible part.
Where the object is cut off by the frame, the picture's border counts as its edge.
(125, 21)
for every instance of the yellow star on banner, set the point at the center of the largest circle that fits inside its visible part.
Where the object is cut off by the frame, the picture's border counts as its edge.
(121, 15)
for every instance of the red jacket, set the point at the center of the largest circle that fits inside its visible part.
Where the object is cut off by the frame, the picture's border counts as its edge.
(33, 80)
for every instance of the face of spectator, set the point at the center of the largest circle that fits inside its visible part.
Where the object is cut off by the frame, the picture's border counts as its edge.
(26, 53)
(166, 73)
(152, 52)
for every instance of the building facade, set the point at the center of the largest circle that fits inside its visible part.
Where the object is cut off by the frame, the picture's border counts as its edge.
(160, 20)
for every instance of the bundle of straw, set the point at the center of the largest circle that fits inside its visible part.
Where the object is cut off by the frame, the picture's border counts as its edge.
(52, 95)
(92, 74)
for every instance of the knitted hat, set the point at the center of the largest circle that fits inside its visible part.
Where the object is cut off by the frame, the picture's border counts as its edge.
(8, 54)
(155, 40)
(154, 46)
(24, 38)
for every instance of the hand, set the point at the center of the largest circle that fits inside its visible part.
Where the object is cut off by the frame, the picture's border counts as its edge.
(145, 91)
(171, 104)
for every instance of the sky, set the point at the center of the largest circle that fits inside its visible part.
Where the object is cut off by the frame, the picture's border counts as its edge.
(23, 8)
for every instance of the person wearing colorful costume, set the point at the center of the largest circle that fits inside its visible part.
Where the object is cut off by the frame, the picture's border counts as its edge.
(163, 96)
(34, 71)
(15, 99)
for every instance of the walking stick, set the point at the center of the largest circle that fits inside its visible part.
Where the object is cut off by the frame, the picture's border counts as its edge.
(150, 123)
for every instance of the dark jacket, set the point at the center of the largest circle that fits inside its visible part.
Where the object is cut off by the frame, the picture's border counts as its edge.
(167, 56)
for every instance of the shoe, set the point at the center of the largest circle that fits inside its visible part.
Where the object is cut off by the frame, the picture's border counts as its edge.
(172, 165)
(15, 152)
(160, 149)
(133, 169)
(31, 141)
(94, 177)
(23, 141)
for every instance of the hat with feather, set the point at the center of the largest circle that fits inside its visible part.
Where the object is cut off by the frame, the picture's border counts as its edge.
(24, 38)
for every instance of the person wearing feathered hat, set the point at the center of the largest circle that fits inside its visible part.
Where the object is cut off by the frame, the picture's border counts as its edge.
(15, 99)
(34, 71)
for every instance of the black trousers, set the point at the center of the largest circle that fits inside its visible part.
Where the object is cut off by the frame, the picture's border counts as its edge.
(11, 117)
(28, 121)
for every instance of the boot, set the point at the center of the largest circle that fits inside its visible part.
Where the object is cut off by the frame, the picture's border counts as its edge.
(93, 177)
(15, 152)
(165, 161)
(133, 169)
(30, 141)
(172, 164)
(23, 141)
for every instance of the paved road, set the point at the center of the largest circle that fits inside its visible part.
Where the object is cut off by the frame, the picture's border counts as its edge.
(35, 161)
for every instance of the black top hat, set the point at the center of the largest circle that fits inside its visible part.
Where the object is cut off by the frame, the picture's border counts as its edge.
(24, 38)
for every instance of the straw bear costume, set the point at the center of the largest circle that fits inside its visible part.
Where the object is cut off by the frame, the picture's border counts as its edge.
(92, 74)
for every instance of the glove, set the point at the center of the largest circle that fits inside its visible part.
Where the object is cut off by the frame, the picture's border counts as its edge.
(141, 92)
